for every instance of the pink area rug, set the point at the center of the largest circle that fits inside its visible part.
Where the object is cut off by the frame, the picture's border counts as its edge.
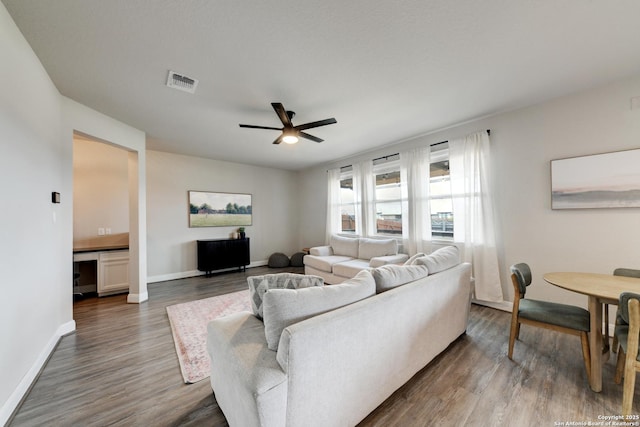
(189, 328)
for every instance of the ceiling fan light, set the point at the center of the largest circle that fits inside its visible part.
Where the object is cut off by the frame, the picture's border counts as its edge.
(290, 139)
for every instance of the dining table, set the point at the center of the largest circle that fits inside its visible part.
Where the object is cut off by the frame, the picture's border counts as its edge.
(600, 289)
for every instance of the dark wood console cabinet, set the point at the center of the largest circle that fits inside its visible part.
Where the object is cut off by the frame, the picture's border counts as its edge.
(223, 253)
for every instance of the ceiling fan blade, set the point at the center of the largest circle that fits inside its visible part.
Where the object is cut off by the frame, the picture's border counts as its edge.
(282, 114)
(278, 139)
(259, 127)
(316, 124)
(311, 137)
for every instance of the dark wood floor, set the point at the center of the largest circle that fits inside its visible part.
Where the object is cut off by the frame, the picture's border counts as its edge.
(120, 369)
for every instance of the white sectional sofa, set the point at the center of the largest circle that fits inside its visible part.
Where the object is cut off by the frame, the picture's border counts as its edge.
(345, 257)
(329, 355)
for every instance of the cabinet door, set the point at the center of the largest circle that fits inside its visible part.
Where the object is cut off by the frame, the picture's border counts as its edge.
(113, 272)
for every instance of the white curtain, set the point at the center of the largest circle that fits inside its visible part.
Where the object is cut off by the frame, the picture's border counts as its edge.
(334, 216)
(416, 212)
(364, 193)
(474, 232)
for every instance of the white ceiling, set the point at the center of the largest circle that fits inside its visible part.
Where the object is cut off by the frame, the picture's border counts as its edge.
(386, 70)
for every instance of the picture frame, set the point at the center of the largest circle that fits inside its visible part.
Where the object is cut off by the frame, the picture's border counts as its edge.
(217, 209)
(608, 180)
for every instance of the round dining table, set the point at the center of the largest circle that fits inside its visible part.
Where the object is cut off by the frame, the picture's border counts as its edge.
(601, 289)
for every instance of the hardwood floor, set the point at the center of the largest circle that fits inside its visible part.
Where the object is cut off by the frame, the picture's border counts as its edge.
(120, 369)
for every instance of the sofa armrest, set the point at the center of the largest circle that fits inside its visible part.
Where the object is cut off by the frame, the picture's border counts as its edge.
(389, 259)
(321, 251)
(248, 383)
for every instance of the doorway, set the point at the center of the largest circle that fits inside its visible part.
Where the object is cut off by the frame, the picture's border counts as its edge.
(101, 215)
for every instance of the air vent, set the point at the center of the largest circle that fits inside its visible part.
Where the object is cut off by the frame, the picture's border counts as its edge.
(181, 82)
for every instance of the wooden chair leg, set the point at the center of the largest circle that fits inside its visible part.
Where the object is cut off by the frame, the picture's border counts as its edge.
(606, 329)
(586, 354)
(628, 386)
(515, 329)
(619, 365)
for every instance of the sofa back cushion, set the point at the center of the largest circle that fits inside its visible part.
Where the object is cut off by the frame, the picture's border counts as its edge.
(284, 307)
(412, 259)
(392, 275)
(370, 248)
(259, 285)
(441, 259)
(347, 246)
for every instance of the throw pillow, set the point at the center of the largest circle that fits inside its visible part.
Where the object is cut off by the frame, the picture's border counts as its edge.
(259, 285)
(412, 259)
(440, 260)
(390, 276)
(347, 246)
(284, 307)
(371, 248)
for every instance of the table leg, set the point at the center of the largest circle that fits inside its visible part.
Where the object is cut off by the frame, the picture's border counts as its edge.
(595, 343)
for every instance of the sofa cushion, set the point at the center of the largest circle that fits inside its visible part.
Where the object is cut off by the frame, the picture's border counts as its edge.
(259, 285)
(370, 248)
(379, 261)
(412, 259)
(321, 250)
(350, 268)
(284, 307)
(442, 259)
(324, 263)
(390, 276)
(347, 246)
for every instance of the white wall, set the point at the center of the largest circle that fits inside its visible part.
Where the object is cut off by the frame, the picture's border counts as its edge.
(35, 255)
(36, 152)
(172, 244)
(100, 189)
(523, 144)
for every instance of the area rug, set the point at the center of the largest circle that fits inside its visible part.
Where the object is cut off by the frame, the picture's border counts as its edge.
(189, 329)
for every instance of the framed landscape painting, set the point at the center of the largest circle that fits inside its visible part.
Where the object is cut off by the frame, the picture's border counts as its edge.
(207, 209)
(610, 180)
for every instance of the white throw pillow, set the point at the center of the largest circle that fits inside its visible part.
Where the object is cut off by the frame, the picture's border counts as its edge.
(284, 307)
(412, 259)
(440, 260)
(347, 246)
(390, 276)
(259, 285)
(371, 248)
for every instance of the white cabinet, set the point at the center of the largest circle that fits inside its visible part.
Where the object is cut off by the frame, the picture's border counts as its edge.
(110, 272)
(113, 272)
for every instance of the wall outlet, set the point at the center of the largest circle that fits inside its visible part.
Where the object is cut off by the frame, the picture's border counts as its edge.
(100, 231)
(107, 230)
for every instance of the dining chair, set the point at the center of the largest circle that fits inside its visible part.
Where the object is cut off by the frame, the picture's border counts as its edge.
(627, 272)
(627, 332)
(564, 318)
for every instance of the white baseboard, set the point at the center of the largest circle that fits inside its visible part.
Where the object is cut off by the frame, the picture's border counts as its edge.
(10, 406)
(137, 298)
(502, 305)
(193, 273)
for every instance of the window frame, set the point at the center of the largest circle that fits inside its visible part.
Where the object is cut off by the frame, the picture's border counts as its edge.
(347, 173)
(389, 164)
(441, 154)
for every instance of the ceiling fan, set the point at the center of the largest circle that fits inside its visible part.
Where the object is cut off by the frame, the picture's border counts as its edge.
(290, 133)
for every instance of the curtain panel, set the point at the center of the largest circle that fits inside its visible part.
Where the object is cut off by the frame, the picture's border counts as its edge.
(364, 194)
(474, 231)
(334, 215)
(416, 211)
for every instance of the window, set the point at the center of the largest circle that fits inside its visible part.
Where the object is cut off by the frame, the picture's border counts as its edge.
(347, 204)
(388, 200)
(440, 195)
